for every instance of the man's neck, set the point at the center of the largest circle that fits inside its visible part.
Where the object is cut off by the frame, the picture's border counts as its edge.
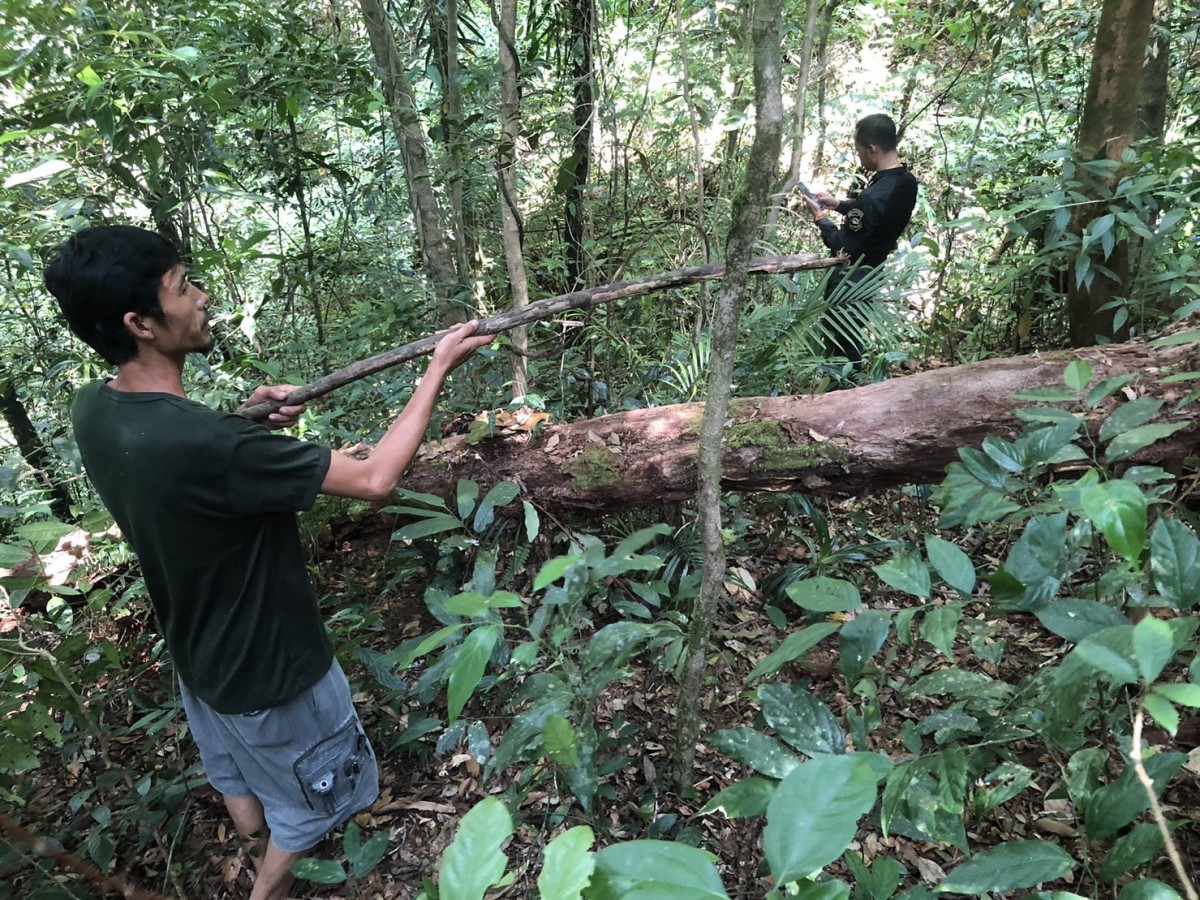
(889, 160)
(150, 373)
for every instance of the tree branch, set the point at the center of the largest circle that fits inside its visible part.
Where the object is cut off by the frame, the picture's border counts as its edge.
(585, 299)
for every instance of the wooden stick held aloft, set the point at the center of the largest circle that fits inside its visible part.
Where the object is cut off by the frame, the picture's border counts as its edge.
(585, 299)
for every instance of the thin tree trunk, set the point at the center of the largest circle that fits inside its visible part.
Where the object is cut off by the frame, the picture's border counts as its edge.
(747, 217)
(506, 168)
(685, 83)
(799, 112)
(1106, 129)
(33, 451)
(1154, 93)
(822, 69)
(580, 37)
(427, 216)
(452, 127)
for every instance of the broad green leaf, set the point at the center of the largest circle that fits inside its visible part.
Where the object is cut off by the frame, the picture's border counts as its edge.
(743, 799)
(1012, 866)
(472, 603)
(1112, 807)
(801, 719)
(1005, 782)
(810, 889)
(1174, 340)
(44, 535)
(1004, 454)
(793, 647)
(826, 595)
(1074, 620)
(1183, 694)
(427, 527)
(367, 856)
(1163, 712)
(1035, 563)
(467, 494)
(568, 866)
(561, 742)
(1118, 509)
(1148, 889)
(982, 468)
(429, 643)
(554, 569)
(1049, 445)
(762, 753)
(468, 667)
(955, 682)
(1107, 654)
(1107, 388)
(1175, 562)
(654, 870)
(940, 627)
(905, 572)
(952, 564)
(1078, 375)
(612, 645)
(1130, 442)
(1129, 415)
(475, 861)
(814, 815)
(319, 871)
(432, 500)
(533, 522)
(12, 555)
(861, 638)
(1153, 647)
(1045, 395)
(17, 756)
(501, 494)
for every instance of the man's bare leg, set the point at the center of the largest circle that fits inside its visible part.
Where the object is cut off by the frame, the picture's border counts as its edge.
(248, 819)
(275, 874)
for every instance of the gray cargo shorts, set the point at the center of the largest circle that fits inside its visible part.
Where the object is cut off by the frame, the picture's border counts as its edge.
(308, 762)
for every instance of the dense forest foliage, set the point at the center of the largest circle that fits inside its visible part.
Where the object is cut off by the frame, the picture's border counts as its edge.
(979, 686)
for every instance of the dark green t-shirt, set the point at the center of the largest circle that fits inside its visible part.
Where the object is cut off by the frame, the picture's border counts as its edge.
(208, 500)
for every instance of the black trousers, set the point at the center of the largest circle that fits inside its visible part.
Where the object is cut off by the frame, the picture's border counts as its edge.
(847, 314)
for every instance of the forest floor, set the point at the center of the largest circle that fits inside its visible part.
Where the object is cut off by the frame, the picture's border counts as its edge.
(424, 797)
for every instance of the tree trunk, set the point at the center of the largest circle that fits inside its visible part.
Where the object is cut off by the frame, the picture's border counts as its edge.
(506, 168)
(1106, 129)
(582, 14)
(32, 450)
(747, 216)
(821, 65)
(427, 216)
(799, 111)
(452, 131)
(902, 431)
(1153, 94)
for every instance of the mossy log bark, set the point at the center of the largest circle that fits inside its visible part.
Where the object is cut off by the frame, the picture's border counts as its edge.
(902, 431)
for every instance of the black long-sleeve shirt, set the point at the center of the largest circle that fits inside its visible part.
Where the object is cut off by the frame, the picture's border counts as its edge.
(875, 219)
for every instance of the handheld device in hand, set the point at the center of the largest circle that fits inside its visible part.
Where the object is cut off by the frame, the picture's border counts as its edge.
(806, 190)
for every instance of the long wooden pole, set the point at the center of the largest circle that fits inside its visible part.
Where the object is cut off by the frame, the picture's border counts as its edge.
(585, 299)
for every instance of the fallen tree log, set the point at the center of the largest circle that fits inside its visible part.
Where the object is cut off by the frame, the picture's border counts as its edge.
(543, 309)
(902, 431)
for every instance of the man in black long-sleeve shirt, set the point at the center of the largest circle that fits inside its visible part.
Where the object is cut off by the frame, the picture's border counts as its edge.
(873, 221)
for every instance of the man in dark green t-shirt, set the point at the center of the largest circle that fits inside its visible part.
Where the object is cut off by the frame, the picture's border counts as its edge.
(208, 501)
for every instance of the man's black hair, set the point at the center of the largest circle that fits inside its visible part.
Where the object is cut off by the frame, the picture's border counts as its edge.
(876, 130)
(102, 273)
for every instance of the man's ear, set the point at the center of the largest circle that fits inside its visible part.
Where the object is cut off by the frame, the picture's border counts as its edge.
(139, 326)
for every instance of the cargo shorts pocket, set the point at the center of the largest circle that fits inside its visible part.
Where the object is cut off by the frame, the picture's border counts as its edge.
(329, 773)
